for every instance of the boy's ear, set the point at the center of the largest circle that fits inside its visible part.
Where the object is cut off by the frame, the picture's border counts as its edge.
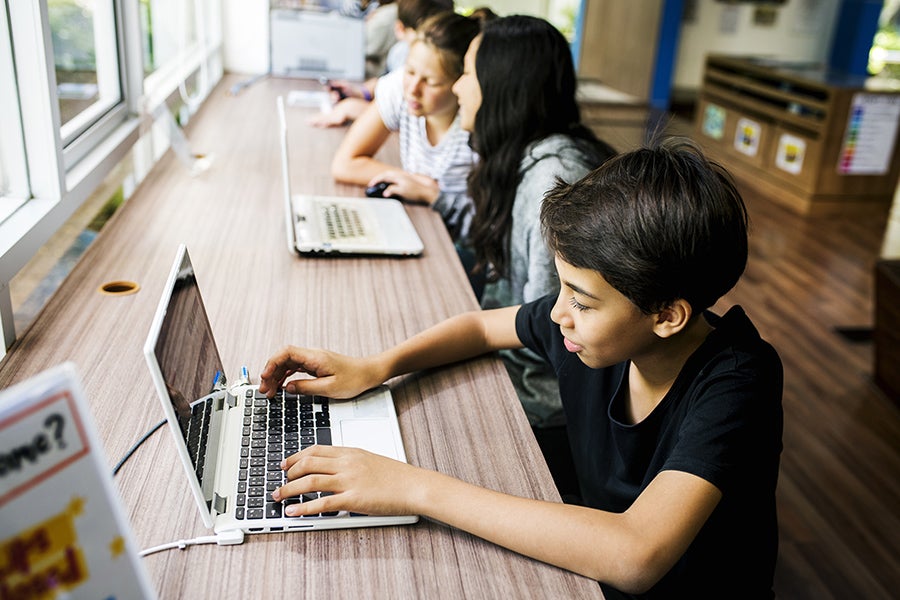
(673, 318)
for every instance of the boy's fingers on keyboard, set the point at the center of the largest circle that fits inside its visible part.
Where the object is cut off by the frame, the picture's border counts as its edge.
(320, 386)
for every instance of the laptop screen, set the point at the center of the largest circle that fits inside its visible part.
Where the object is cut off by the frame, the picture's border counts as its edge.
(186, 351)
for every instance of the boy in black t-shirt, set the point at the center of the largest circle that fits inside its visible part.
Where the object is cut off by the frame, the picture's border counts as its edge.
(674, 413)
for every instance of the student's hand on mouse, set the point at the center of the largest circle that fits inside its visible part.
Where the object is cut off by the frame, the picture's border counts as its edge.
(344, 89)
(359, 481)
(413, 187)
(333, 375)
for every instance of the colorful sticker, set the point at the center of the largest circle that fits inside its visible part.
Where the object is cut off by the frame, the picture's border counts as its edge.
(714, 121)
(790, 153)
(746, 137)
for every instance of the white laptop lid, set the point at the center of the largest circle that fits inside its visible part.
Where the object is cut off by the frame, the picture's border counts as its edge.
(388, 229)
(186, 369)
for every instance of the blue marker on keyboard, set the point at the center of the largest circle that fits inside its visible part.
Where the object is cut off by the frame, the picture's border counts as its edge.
(218, 382)
(245, 377)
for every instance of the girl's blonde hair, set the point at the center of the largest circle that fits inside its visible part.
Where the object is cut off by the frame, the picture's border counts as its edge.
(449, 34)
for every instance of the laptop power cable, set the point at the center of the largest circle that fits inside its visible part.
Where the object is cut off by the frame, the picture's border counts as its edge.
(137, 445)
(224, 538)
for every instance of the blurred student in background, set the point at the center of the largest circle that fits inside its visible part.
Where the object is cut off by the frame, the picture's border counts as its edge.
(351, 99)
(379, 36)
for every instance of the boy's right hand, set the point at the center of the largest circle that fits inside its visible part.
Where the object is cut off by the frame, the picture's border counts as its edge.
(333, 375)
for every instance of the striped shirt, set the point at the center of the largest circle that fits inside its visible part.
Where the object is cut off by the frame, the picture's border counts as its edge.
(448, 162)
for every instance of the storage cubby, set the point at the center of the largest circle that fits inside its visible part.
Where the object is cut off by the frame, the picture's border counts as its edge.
(816, 141)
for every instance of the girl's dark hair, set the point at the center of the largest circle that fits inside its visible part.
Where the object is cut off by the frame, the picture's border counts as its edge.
(659, 224)
(527, 78)
(450, 34)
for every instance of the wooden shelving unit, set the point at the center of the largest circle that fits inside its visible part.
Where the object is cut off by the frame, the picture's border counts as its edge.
(814, 140)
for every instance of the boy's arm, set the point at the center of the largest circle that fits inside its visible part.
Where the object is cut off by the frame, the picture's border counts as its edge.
(353, 162)
(458, 338)
(631, 550)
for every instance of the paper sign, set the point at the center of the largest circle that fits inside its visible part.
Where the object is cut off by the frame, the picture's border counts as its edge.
(39, 442)
(63, 534)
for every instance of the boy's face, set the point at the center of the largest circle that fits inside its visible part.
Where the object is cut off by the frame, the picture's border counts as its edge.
(599, 324)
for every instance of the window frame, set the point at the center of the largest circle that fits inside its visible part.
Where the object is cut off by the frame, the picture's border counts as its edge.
(53, 179)
(95, 123)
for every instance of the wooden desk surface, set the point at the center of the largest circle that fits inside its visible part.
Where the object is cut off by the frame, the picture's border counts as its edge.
(463, 420)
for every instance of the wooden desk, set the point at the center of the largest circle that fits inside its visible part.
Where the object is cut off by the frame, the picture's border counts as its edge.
(464, 420)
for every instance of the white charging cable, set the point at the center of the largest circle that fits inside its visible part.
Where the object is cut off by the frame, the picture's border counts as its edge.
(225, 538)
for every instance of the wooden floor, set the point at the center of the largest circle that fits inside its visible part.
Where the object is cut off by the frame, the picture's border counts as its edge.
(839, 490)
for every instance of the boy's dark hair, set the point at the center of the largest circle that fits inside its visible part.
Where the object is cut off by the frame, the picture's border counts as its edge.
(659, 224)
(411, 13)
(449, 33)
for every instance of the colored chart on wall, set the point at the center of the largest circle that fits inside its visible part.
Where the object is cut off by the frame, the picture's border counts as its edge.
(870, 136)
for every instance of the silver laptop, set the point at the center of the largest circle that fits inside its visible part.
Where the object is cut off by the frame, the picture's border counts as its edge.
(339, 224)
(231, 439)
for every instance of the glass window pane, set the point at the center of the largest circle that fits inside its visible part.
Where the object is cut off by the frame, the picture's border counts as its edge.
(13, 172)
(884, 57)
(168, 28)
(85, 51)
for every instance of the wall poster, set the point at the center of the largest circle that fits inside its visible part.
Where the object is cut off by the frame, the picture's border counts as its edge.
(870, 135)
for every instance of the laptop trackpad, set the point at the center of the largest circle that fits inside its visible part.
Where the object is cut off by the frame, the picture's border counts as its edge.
(373, 435)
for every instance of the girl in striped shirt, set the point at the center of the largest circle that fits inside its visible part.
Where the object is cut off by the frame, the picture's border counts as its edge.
(418, 103)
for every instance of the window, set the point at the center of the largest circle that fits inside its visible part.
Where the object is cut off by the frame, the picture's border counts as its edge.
(168, 29)
(73, 75)
(86, 57)
(884, 57)
(13, 175)
(178, 40)
(85, 53)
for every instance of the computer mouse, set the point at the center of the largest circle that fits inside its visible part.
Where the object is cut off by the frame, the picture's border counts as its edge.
(377, 190)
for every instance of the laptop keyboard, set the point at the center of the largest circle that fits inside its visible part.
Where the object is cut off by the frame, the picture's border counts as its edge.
(273, 429)
(195, 430)
(342, 222)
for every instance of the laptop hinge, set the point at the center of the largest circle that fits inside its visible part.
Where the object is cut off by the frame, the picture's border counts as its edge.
(219, 503)
(228, 398)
